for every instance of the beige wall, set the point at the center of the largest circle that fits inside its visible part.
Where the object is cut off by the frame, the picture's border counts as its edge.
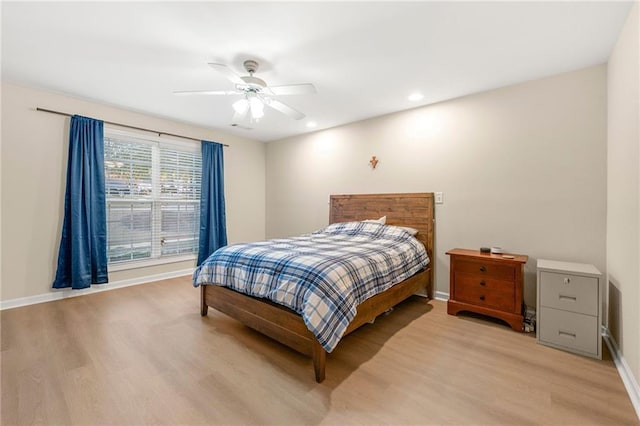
(34, 156)
(522, 167)
(623, 191)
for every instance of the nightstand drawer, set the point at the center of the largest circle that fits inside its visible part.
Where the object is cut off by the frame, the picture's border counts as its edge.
(489, 269)
(569, 330)
(569, 292)
(483, 291)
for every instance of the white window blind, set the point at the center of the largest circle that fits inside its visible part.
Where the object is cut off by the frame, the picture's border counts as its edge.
(153, 198)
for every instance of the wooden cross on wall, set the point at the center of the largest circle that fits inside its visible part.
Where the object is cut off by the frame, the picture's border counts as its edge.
(373, 162)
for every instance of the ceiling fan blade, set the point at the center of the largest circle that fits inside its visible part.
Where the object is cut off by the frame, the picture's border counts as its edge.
(227, 72)
(205, 92)
(286, 110)
(294, 89)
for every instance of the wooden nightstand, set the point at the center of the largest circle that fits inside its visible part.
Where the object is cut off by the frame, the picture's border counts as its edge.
(487, 284)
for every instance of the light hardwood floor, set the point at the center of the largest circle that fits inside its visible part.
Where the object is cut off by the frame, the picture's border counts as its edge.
(143, 355)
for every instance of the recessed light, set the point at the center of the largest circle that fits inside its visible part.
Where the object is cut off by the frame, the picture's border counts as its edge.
(416, 96)
(311, 124)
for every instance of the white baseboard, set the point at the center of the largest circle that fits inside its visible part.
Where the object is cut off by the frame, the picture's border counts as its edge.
(630, 382)
(441, 295)
(65, 293)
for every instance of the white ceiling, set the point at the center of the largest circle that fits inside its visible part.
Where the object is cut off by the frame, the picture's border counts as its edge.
(364, 58)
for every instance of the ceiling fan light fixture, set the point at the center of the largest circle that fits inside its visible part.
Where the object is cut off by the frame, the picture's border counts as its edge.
(312, 124)
(241, 106)
(257, 108)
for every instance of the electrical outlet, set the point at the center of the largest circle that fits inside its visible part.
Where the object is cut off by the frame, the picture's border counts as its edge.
(439, 198)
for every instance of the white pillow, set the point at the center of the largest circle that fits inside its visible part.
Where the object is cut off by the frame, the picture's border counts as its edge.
(412, 231)
(381, 221)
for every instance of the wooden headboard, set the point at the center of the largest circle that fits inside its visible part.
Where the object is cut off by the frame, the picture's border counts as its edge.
(413, 209)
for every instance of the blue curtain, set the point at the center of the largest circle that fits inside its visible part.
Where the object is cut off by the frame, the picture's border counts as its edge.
(213, 225)
(82, 258)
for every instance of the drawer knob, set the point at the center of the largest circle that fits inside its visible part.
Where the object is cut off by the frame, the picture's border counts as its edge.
(567, 280)
(483, 283)
(482, 297)
(483, 269)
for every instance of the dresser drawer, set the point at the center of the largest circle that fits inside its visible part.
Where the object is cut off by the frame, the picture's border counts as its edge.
(484, 291)
(569, 330)
(493, 270)
(569, 292)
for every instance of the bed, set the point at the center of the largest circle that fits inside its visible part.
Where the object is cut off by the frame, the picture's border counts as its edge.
(283, 324)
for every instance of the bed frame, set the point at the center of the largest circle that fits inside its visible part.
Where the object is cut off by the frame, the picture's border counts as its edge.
(286, 326)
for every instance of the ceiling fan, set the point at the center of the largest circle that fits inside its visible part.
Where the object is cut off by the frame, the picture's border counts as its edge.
(256, 94)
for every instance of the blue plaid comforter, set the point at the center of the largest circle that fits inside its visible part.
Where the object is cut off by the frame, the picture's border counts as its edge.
(322, 276)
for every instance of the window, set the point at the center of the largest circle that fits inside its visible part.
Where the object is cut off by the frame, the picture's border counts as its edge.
(153, 198)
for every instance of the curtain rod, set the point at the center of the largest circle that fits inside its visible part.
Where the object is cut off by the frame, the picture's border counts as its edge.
(127, 126)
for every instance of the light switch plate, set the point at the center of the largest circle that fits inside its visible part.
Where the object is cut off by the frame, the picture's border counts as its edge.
(439, 198)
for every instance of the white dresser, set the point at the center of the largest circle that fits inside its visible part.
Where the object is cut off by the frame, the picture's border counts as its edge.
(570, 307)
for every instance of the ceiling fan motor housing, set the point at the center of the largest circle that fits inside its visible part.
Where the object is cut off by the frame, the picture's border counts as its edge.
(255, 84)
